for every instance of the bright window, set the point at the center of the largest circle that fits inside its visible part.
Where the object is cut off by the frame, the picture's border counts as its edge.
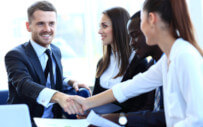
(77, 32)
(76, 35)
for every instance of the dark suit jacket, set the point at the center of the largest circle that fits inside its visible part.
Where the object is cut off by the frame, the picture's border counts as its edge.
(146, 119)
(141, 102)
(26, 78)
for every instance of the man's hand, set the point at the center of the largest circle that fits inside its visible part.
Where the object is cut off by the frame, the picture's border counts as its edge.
(81, 101)
(76, 85)
(67, 104)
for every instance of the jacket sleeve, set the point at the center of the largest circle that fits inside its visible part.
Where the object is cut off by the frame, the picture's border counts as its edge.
(19, 76)
(97, 87)
(144, 101)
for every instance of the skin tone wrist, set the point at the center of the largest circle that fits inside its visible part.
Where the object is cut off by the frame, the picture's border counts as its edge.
(56, 97)
(102, 99)
(66, 103)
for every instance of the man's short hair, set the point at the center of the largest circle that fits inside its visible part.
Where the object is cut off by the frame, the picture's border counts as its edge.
(136, 15)
(40, 5)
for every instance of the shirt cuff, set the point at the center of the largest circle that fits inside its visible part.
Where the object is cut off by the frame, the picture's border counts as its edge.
(118, 94)
(45, 96)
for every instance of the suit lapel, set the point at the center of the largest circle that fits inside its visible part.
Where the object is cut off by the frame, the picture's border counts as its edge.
(57, 58)
(133, 64)
(35, 62)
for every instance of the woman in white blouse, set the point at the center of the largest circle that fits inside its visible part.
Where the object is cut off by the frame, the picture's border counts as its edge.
(114, 62)
(180, 70)
(119, 63)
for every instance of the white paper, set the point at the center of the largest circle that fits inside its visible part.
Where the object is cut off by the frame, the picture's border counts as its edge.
(97, 120)
(44, 122)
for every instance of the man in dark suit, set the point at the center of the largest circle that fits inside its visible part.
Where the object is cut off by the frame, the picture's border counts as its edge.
(34, 68)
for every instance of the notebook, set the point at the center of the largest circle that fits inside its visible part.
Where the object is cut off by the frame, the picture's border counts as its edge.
(15, 115)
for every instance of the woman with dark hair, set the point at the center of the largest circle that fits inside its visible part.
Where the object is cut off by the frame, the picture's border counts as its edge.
(114, 38)
(119, 63)
(166, 23)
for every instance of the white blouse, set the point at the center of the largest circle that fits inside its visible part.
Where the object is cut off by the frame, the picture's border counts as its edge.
(106, 80)
(182, 85)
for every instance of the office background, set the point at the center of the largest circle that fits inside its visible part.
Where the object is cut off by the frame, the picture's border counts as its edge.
(77, 31)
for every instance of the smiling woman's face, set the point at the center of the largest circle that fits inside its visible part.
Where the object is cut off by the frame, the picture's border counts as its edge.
(148, 30)
(106, 30)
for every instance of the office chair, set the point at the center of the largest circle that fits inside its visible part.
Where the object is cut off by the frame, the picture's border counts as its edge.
(3, 96)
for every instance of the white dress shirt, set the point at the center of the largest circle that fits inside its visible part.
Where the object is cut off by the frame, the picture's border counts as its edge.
(46, 94)
(182, 85)
(107, 79)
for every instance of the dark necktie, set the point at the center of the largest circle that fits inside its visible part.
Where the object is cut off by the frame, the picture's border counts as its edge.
(157, 99)
(49, 68)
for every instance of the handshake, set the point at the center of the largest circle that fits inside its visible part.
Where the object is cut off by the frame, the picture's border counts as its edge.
(71, 104)
(77, 105)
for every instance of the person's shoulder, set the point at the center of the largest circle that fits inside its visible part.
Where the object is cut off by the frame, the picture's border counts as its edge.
(186, 53)
(56, 50)
(183, 48)
(141, 63)
(17, 52)
(54, 47)
(19, 49)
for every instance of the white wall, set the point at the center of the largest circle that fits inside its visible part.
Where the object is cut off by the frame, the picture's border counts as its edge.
(196, 13)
